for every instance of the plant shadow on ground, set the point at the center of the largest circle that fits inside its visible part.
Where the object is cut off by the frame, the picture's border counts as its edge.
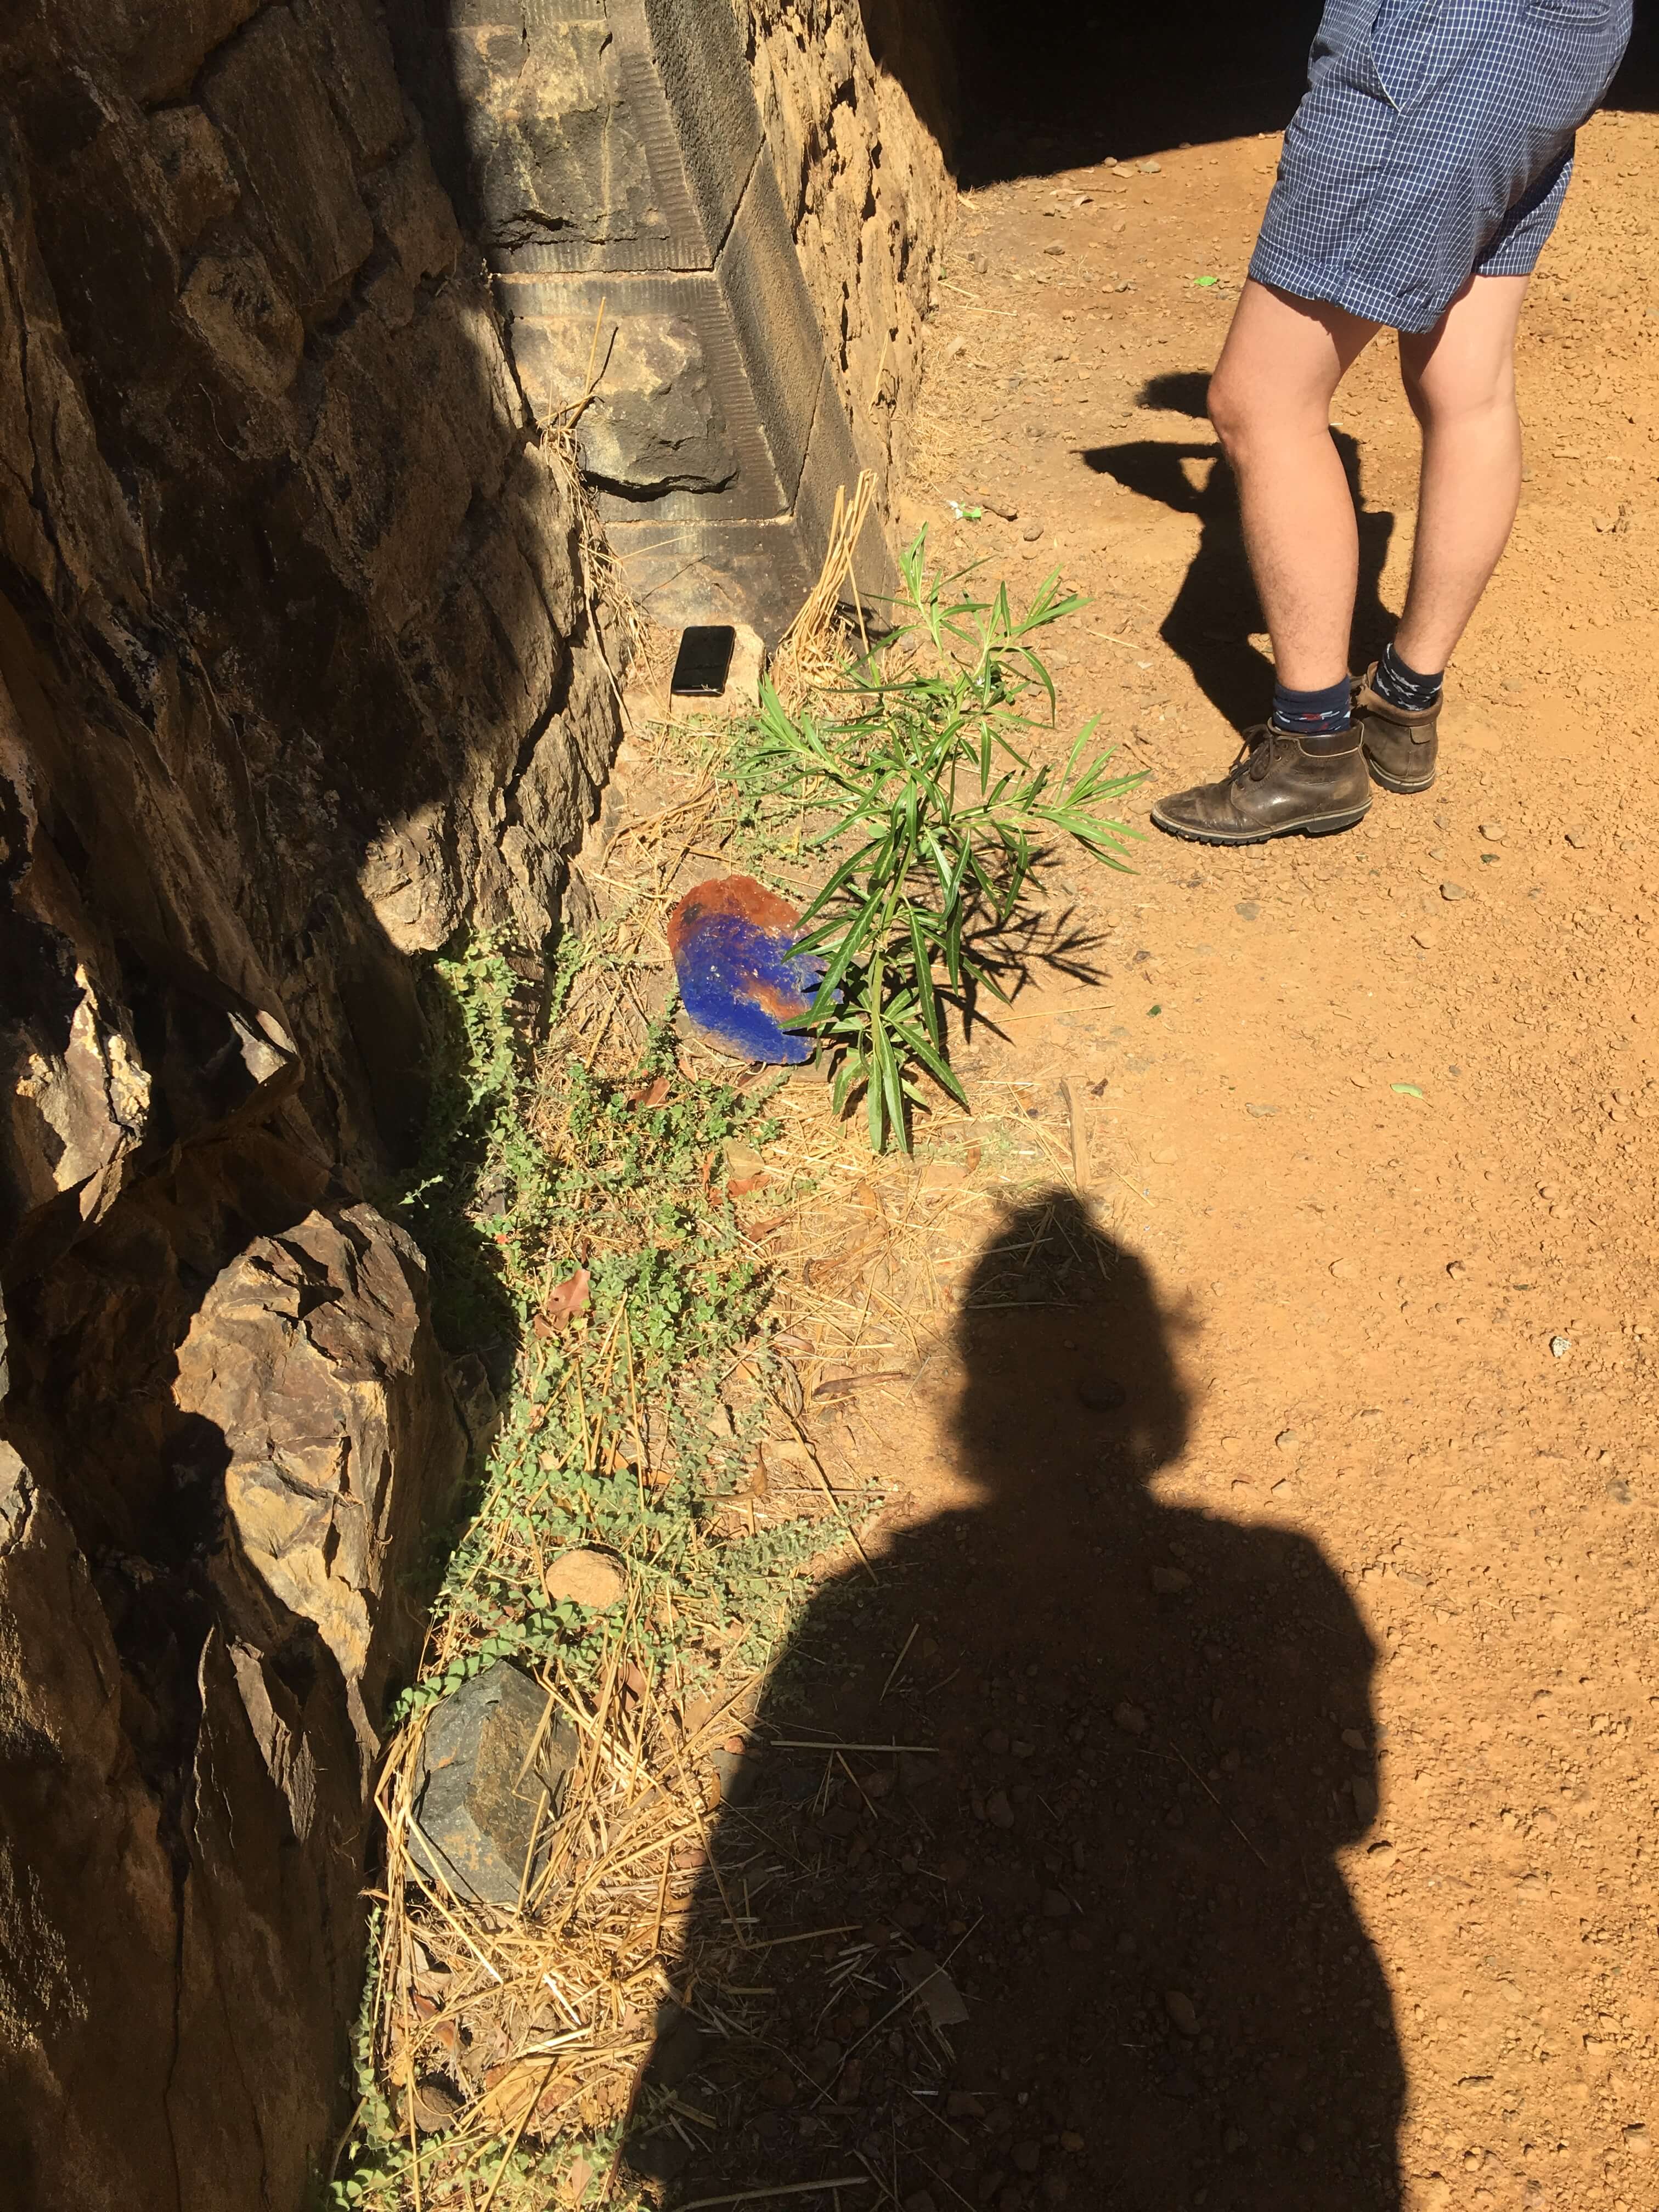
(1142, 1733)
(1216, 611)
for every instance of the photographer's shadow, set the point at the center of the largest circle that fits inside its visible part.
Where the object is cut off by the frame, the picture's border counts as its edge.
(1216, 612)
(1139, 1735)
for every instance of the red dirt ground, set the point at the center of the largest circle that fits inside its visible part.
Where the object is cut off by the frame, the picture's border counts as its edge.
(1270, 1577)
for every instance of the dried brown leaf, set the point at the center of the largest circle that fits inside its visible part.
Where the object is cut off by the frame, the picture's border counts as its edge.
(562, 1303)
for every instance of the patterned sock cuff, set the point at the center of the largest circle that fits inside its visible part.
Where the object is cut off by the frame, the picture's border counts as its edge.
(1324, 714)
(1404, 687)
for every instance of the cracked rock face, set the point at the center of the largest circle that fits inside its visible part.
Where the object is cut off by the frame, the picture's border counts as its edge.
(297, 678)
(856, 96)
(186, 1737)
(149, 1949)
(552, 147)
(655, 423)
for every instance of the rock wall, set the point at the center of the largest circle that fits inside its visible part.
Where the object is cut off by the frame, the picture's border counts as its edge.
(858, 103)
(297, 674)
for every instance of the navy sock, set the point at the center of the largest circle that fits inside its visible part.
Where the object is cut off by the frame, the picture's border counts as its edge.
(1324, 714)
(1403, 687)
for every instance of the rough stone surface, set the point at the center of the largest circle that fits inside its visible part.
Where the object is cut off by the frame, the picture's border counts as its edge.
(655, 423)
(539, 122)
(489, 1751)
(297, 676)
(342, 1444)
(857, 101)
(149, 1935)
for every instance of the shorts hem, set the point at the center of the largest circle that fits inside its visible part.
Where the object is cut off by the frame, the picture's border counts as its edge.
(1373, 303)
(1508, 265)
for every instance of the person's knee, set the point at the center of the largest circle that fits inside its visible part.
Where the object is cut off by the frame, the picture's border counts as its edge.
(1448, 405)
(1232, 415)
(1251, 417)
(1444, 392)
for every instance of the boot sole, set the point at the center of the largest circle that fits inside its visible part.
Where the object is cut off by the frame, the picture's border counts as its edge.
(1395, 783)
(1325, 825)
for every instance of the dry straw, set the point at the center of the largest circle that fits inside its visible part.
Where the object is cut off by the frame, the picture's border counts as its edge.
(814, 646)
(541, 2019)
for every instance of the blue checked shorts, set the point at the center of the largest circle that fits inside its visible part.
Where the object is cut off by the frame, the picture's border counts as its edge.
(1435, 143)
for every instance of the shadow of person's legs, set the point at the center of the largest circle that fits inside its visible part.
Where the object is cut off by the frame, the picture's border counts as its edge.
(1080, 1934)
(1216, 612)
(1374, 623)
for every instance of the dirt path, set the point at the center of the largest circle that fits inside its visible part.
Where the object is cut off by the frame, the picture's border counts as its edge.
(1378, 1113)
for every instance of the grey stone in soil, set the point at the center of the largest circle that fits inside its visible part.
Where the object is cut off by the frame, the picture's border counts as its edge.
(932, 1988)
(474, 1818)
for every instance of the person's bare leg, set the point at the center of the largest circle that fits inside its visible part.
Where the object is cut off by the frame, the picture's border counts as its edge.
(1270, 400)
(1460, 380)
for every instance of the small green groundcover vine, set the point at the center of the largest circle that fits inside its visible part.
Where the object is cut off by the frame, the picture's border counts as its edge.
(584, 1250)
(619, 1424)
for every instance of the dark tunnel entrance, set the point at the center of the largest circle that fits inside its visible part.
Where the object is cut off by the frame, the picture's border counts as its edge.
(1035, 90)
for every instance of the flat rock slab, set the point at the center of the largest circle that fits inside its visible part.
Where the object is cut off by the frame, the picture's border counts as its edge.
(486, 1761)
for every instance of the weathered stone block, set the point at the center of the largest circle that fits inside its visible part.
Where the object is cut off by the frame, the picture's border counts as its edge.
(234, 301)
(389, 396)
(413, 214)
(158, 49)
(551, 147)
(705, 81)
(78, 1095)
(191, 155)
(781, 345)
(655, 423)
(492, 1752)
(353, 57)
(190, 1956)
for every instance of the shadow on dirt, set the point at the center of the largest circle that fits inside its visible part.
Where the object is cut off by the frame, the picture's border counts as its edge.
(1216, 612)
(1043, 90)
(1139, 1735)
(1032, 91)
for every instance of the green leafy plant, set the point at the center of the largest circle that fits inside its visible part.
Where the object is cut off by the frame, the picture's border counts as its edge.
(920, 782)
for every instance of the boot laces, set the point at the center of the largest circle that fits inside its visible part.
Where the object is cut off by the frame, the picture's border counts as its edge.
(1255, 743)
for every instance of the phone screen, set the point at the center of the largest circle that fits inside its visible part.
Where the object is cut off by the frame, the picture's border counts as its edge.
(704, 662)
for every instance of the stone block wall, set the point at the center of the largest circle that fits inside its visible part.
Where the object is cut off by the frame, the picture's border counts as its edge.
(858, 103)
(297, 675)
(727, 224)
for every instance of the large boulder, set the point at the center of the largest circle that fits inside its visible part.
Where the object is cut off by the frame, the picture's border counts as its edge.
(312, 1367)
(184, 1742)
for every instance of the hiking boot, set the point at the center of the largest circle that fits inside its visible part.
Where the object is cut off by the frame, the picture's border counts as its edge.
(1278, 786)
(1402, 748)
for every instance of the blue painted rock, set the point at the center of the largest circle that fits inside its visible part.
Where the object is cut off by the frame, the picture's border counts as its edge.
(740, 980)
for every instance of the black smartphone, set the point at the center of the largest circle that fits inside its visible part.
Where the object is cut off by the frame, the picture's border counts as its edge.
(705, 660)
